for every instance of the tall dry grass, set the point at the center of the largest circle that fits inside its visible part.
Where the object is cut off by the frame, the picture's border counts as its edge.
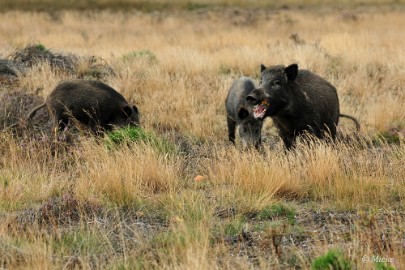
(194, 56)
(126, 175)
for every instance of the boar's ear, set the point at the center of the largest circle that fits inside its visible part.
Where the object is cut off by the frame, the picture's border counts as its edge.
(243, 113)
(262, 67)
(291, 71)
(127, 111)
(135, 109)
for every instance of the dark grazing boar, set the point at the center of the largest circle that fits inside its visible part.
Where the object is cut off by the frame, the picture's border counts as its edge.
(92, 103)
(240, 113)
(298, 101)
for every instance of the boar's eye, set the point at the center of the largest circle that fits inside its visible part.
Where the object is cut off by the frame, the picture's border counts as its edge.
(276, 82)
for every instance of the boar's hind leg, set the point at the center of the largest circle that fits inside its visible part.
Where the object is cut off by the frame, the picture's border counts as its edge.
(333, 132)
(328, 132)
(58, 125)
(288, 139)
(231, 129)
(60, 122)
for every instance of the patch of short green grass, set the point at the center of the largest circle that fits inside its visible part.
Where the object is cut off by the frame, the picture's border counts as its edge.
(334, 259)
(136, 134)
(41, 47)
(234, 228)
(277, 210)
(383, 266)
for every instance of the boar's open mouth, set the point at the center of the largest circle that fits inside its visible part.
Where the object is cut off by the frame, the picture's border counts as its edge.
(260, 109)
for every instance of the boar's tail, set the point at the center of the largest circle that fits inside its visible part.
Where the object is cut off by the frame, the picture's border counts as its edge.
(352, 118)
(34, 111)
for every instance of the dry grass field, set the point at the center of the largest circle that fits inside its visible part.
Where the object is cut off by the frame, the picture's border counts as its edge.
(79, 202)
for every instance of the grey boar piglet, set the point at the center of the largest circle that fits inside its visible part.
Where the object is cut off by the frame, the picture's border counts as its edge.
(240, 113)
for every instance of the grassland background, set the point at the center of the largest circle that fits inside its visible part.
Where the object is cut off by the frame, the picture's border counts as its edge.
(153, 5)
(85, 205)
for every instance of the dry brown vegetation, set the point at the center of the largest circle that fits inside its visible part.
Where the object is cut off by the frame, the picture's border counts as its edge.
(80, 203)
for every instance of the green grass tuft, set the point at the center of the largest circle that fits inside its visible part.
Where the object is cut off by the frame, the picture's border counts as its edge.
(141, 54)
(41, 47)
(383, 266)
(334, 260)
(387, 137)
(234, 228)
(277, 210)
(136, 134)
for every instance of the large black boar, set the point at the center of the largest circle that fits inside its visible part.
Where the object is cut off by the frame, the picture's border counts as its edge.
(240, 113)
(92, 103)
(298, 101)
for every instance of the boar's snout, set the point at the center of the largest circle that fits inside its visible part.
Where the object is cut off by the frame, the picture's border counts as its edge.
(134, 118)
(252, 99)
(130, 116)
(256, 96)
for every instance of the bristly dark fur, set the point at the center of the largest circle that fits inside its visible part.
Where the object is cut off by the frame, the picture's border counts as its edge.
(92, 103)
(300, 101)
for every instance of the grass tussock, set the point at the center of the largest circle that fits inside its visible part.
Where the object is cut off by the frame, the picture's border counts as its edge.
(28, 170)
(121, 177)
(173, 193)
(323, 173)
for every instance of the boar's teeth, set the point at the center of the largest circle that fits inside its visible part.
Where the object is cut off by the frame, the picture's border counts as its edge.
(259, 110)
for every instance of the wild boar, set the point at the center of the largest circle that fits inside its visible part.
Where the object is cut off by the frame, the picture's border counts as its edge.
(298, 101)
(91, 103)
(240, 113)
